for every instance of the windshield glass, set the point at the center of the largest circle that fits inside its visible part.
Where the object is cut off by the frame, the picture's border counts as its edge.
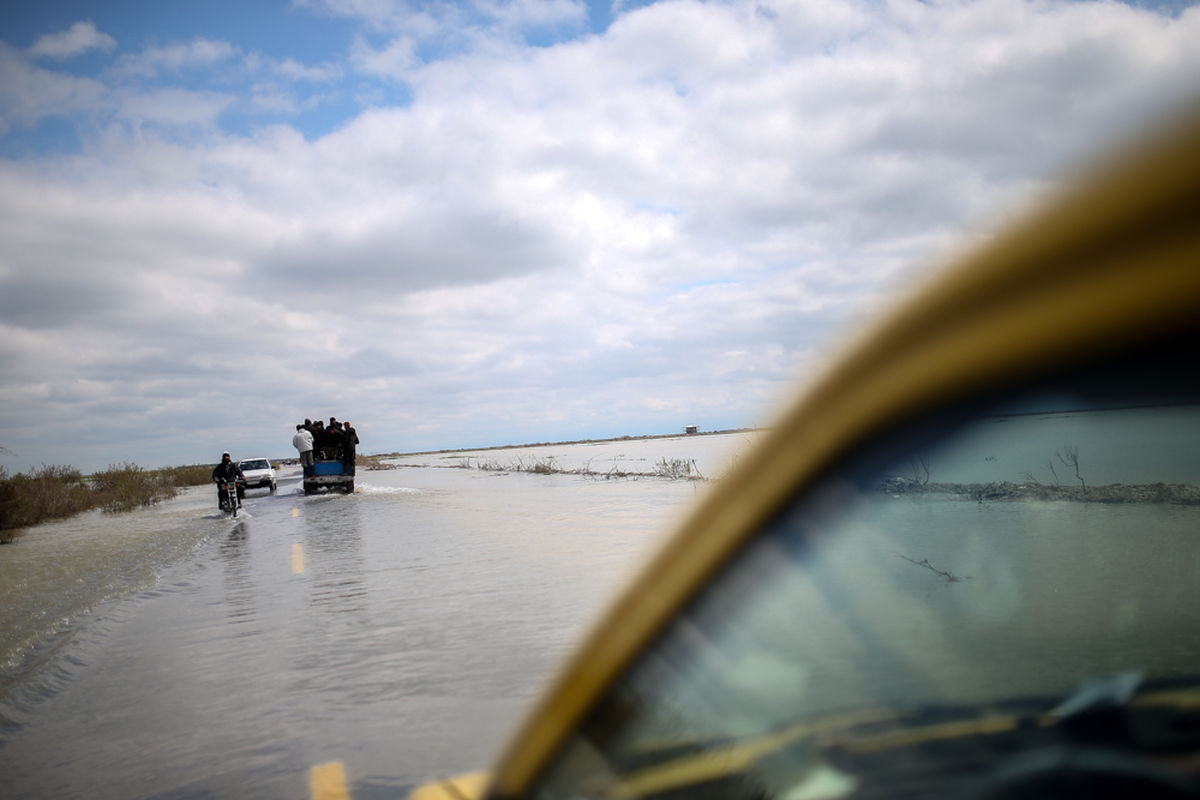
(256, 463)
(1037, 544)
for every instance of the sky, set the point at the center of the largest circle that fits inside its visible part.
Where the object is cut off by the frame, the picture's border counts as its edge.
(463, 224)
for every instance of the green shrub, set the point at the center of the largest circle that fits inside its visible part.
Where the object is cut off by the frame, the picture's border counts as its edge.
(54, 492)
(187, 475)
(128, 486)
(51, 492)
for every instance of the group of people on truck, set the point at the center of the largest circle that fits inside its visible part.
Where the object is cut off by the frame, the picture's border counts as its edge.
(336, 441)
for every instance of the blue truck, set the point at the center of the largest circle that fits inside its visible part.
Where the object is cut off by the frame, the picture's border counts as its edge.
(330, 475)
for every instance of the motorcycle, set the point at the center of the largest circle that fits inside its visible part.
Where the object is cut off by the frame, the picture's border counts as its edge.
(229, 497)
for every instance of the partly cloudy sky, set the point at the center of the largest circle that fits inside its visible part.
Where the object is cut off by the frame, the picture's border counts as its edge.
(503, 221)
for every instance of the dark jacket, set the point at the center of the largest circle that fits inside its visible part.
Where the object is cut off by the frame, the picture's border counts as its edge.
(227, 472)
(333, 442)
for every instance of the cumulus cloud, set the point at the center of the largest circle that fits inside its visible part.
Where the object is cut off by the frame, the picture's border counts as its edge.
(669, 218)
(441, 28)
(534, 14)
(29, 93)
(392, 60)
(428, 18)
(158, 88)
(151, 62)
(81, 37)
(294, 70)
(172, 107)
(376, 13)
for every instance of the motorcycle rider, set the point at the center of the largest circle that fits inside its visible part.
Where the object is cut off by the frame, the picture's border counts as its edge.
(229, 471)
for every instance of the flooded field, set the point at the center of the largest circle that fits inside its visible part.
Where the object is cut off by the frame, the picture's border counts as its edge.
(400, 630)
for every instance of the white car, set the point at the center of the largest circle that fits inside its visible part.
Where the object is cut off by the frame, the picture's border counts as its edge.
(259, 473)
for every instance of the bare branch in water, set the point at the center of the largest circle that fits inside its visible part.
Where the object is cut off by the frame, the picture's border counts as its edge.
(919, 470)
(1069, 456)
(945, 575)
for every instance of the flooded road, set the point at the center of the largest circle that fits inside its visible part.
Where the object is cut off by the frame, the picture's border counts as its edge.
(400, 630)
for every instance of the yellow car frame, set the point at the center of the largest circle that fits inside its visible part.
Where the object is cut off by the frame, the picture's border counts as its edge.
(1112, 267)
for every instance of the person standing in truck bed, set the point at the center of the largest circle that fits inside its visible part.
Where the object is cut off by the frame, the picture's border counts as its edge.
(318, 434)
(349, 443)
(333, 441)
(303, 442)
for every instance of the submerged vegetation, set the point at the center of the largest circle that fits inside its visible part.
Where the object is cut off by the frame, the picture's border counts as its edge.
(1182, 494)
(672, 469)
(567, 442)
(1030, 488)
(371, 462)
(55, 492)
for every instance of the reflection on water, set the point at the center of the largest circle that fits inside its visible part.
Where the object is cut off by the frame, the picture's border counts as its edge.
(238, 578)
(193, 659)
(333, 548)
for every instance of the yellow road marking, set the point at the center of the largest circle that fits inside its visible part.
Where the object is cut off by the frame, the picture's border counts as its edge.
(297, 558)
(329, 781)
(295, 512)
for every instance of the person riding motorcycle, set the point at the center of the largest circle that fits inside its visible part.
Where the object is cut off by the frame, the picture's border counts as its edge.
(226, 471)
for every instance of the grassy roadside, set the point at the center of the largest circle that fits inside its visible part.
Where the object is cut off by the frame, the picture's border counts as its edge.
(54, 492)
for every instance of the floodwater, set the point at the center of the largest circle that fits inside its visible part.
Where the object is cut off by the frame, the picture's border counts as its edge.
(400, 630)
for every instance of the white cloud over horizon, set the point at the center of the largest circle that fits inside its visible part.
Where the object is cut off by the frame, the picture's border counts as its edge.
(79, 38)
(665, 221)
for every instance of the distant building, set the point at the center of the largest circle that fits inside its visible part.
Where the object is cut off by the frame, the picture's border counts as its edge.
(690, 429)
